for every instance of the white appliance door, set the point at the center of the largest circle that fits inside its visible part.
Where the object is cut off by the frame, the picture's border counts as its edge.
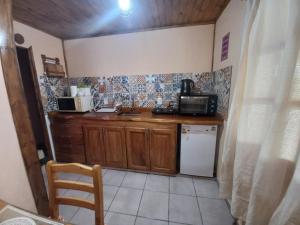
(50, 136)
(198, 144)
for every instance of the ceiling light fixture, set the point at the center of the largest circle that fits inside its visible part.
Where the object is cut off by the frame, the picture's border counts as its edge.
(124, 5)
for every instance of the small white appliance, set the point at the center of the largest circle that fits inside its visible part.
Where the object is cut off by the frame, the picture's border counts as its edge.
(75, 104)
(198, 146)
(50, 136)
(73, 90)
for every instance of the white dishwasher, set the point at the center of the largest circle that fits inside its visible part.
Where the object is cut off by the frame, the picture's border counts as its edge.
(198, 146)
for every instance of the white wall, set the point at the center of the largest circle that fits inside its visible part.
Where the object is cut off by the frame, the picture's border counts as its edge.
(41, 43)
(185, 49)
(231, 20)
(14, 184)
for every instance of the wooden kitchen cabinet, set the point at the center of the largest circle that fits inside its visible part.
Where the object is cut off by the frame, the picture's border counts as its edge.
(151, 147)
(94, 146)
(163, 149)
(115, 146)
(144, 146)
(68, 142)
(137, 144)
(105, 145)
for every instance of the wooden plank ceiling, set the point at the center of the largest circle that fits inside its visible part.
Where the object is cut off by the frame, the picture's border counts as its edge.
(69, 19)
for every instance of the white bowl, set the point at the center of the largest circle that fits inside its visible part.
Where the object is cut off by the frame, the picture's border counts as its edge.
(18, 221)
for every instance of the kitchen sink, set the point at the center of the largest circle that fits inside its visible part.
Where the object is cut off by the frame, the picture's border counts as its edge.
(134, 113)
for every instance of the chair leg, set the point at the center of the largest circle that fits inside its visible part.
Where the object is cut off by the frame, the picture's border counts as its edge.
(238, 222)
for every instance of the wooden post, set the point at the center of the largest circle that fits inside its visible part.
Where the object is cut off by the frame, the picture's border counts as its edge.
(98, 195)
(19, 107)
(53, 208)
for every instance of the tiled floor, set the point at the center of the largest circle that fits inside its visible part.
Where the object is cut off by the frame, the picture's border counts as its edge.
(146, 199)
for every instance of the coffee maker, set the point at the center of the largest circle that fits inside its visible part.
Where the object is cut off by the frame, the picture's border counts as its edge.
(187, 85)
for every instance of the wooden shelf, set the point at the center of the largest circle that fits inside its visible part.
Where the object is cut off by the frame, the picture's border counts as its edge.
(52, 67)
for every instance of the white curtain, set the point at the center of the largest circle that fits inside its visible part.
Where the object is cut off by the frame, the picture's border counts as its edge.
(260, 164)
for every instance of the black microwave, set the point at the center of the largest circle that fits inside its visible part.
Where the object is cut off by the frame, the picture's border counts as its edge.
(199, 105)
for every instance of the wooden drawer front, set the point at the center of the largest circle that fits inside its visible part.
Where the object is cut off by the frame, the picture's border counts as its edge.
(163, 150)
(66, 157)
(70, 148)
(66, 129)
(151, 125)
(137, 143)
(69, 143)
(68, 140)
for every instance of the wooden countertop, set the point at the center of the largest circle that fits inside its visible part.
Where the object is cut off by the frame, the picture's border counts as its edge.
(146, 116)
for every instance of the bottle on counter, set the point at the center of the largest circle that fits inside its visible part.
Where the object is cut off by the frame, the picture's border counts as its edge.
(159, 101)
(102, 87)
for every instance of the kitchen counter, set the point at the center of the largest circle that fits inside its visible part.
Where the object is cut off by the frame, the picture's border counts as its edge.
(146, 116)
(143, 142)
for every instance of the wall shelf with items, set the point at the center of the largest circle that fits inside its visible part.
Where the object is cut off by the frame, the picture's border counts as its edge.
(52, 67)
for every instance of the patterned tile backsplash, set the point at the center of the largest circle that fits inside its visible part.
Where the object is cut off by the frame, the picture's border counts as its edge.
(143, 88)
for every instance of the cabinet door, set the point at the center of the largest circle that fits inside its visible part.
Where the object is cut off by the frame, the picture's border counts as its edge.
(163, 150)
(68, 142)
(94, 149)
(137, 143)
(115, 146)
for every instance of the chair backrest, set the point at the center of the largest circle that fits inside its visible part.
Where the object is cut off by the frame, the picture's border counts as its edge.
(96, 188)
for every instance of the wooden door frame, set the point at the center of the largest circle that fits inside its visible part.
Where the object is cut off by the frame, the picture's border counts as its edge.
(37, 92)
(19, 108)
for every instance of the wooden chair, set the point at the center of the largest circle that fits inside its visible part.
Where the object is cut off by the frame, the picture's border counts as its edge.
(96, 188)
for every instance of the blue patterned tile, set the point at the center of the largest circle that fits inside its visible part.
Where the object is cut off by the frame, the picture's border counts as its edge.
(187, 76)
(117, 88)
(151, 96)
(222, 83)
(160, 78)
(168, 88)
(144, 87)
(124, 80)
(169, 78)
(150, 78)
(140, 79)
(176, 87)
(158, 87)
(150, 87)
(117, 79)
(133, 89)
(73, 81)
(167, 97)
(150, 104)
(141, 88)
(177, 78)
(132, 79)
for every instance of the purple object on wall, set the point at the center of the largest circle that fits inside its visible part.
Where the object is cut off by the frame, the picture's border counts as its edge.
(225, 47)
